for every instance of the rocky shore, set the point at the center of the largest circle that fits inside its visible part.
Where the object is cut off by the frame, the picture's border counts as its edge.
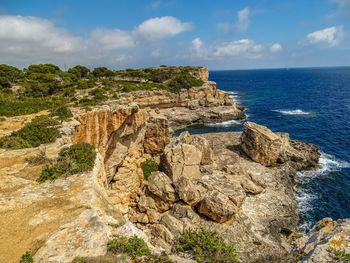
(240, 184)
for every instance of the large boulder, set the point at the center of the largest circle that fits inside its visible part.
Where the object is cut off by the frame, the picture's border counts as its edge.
(268, 148)
(160, 185)
(182, 159)
(217, 206)
(187, 191)
(261, 144)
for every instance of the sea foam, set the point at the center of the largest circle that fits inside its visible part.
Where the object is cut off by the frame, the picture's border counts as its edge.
(293, 112)
(306, 197)
(224, 123)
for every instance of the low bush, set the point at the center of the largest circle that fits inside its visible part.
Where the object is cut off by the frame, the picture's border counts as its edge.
(11, 106)
(340, 256)
(62, 112)
(148, 167)
(206, 247)
(133, 247)
(39, 131)
(40, 158)
(27, 257)
(184, 81)
(77, 158)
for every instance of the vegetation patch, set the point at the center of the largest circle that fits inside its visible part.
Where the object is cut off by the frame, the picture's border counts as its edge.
(62, 112)
(340, 256)
(40, 130)
(40, 158)
(148, 167)
(133, 247)
(206, 247)
(77, 158)
(184, 81)
(27, 257)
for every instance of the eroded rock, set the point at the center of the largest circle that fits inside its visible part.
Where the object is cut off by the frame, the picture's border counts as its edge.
(160, 185)
(217, 207)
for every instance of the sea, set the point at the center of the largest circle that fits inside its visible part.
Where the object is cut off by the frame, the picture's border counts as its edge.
(312, 105)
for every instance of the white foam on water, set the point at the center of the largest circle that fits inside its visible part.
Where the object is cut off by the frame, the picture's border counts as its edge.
(327, 163)
(231, 92)
(293, 112)
(224, 123)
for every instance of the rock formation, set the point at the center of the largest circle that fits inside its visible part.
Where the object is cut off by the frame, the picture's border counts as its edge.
(268, 148)
(328, 241)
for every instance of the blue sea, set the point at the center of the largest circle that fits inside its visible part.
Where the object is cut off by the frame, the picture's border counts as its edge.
(313, 105)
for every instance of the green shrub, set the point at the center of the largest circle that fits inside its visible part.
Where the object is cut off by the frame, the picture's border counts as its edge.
(340, 255)
(206, 247)
(11, 106)
(62, 112)
(98, 94)
(184, 81)
(133, 247)
(9, 75)
(79, 71)
(40, 158)
(27, 257)
(43, 68)
(86, 84)
(148, 167)
(39, 131)
(102, 72)
(77, 158)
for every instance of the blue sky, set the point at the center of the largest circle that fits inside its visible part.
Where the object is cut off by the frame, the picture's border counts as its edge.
(218, 34)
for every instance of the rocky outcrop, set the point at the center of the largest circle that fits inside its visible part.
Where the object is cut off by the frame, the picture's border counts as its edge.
(268, 148)
(203, 104)
(156, 136)
(217, 206)
(328, 241)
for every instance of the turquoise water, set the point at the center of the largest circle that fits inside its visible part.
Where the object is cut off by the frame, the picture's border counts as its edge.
(312, 105)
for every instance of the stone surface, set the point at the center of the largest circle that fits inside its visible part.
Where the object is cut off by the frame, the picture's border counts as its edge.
(182, 159)
(268, 148)
(156, 136)
(187, 191)
(261, 144)
(217, 207)
(323, 242)
(160, 185)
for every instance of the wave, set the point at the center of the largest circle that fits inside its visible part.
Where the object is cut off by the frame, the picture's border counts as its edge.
(224, 123)
(293, 112)
(305, 197)
(231, 92)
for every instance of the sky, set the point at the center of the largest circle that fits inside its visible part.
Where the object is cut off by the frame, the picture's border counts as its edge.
(221, 34)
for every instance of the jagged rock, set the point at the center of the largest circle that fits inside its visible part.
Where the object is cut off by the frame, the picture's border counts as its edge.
(250, 187)
(322, 243)
(182, 159)
(146, 203)
(160, 185)
(261, 144)
(160, 231)
(203, 145)
(156, 136)
(185, 213)
(187, 191)
(217, 207)
(153, 215)
(174, 225)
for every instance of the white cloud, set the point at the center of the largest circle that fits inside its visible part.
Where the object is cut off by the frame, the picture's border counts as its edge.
(110, 39)
(243, 19)
(243, 47)
(32, 35)
(197, 43)
(276, 47)
(329, 37)
(159, 28)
